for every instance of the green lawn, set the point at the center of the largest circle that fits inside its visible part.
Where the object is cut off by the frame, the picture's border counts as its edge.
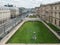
(25, 34)
(32, 16)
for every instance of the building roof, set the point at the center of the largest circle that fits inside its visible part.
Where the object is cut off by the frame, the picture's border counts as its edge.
(8, 8)
(56, 3)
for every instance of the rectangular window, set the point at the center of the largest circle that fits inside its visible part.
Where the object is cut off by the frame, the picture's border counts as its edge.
(55, 12)
(51, 7)
(55, 21)
(51, 12)
(51, 19)
(59, 14)
(55, 7)
(59, 7)
(59, 23)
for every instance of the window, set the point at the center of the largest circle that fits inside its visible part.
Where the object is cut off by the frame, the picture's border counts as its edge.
(51, 7)
(59, 23)
(59, 7)
(55, 7)
(59, 14)
(55, 12)
(51, 12)
(55, 21)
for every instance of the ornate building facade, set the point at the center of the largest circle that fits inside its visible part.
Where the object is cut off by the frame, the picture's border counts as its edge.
(50, 13)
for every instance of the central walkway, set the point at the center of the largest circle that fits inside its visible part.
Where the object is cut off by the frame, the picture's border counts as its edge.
(32, 19)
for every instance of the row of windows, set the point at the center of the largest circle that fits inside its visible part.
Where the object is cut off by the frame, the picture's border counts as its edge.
(51, 20)
(55, 13)
(55, 7)
(55, 21)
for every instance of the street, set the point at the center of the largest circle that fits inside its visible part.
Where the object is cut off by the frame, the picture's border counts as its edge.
(6, 27)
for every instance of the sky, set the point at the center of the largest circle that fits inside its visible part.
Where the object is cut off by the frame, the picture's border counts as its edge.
(27, 3)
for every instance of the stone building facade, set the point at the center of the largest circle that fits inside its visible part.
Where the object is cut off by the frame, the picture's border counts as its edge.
(4, 14)
(50, 13)
(7, 12)
(14, 11)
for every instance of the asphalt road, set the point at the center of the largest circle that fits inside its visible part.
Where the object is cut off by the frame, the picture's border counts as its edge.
(9, 24)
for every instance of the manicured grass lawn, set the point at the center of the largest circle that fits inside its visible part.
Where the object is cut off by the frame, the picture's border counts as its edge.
(25, 34)
(32, 16)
